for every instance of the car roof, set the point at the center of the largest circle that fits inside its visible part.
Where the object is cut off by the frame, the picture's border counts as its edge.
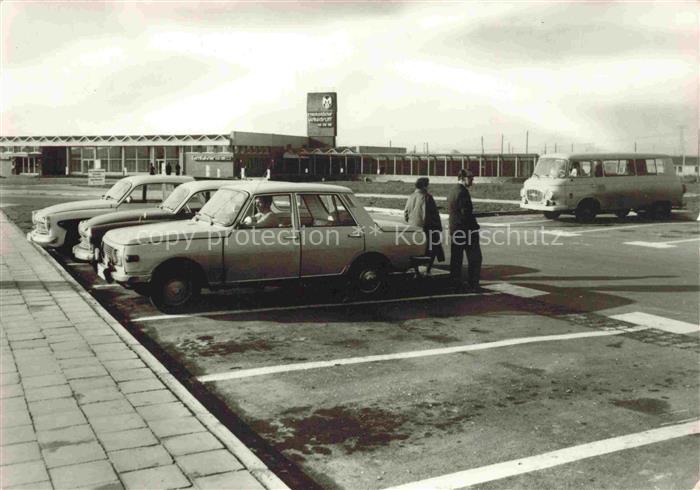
(601, 156)
(205, 185)
(166, 179)
(264, 186)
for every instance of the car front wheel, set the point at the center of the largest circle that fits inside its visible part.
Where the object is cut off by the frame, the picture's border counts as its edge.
(173, 290)
(368, 278)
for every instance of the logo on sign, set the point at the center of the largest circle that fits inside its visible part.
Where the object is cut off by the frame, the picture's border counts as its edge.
(327, 102)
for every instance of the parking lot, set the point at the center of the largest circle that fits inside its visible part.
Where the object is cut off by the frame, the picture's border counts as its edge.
(578, 368)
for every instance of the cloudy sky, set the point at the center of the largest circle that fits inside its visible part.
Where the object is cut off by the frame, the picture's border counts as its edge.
(595, 75)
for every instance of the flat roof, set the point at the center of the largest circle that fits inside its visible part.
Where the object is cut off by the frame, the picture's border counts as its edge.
(605, 155)
(258, 186)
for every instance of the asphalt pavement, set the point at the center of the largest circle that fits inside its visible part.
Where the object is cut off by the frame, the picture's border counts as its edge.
(578, 369)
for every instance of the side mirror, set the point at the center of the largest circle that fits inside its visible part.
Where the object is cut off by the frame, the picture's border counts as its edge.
(128, 200)
(247, 221)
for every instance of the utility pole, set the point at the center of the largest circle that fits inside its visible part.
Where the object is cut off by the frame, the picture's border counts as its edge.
(501, 143)
(555, 147)
(545, 148)
(572, 147)
(482, 145)
(635, 147)
(527, 140)
(682, 142)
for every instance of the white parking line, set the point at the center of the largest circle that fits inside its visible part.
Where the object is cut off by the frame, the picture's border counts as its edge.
(670, 244)
(577, 231)
(303, 366)
(659, 322)
(513, 290)
(551, 459)
(304, 307)
(516, 223)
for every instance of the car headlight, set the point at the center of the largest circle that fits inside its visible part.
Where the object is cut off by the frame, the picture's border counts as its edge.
(549, 195)
(117, 256)
(522, 192)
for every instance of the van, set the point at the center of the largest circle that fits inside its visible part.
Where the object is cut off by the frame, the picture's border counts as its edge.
(586, 185)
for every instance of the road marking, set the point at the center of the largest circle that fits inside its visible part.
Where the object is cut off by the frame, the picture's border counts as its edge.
(303, 307)
(551, 459)
(670, 244)
(514, 290)
(303, 366)
(659, 322)
(524, 222)
(565, 233)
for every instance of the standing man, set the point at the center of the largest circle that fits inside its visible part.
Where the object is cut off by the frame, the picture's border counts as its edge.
(464, 233)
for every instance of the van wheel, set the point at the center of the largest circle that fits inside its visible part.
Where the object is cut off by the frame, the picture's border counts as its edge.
(621, 213)
(368, 278)
(660, 210)
(173, 290)
(587, 211)
(551, 214)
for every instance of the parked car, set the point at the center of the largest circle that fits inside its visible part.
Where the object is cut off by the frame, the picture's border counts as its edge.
(183, 203)
(261, 232)
(588, 184)
(57, 226)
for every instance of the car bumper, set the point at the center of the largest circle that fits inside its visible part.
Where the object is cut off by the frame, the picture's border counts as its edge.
(112, 274)
(83, 254)
(543, 207)
(43, 240)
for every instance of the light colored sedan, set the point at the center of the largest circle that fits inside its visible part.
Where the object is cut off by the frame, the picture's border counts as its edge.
(57, 226)
(261, 232)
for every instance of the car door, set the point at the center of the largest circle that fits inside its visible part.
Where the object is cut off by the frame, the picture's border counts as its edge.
(263, 250)
(330, 236)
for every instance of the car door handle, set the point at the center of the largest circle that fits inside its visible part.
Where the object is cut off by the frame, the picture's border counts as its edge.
(355, 234)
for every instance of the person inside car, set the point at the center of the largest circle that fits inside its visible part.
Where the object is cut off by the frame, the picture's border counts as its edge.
(265, 217)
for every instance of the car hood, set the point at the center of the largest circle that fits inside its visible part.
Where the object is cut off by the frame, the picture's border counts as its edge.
(166, 231)
(130, 215)
(67, 207)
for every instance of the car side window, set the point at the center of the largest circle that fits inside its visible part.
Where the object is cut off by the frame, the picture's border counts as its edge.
(197, 200)
(156, 193)
(581, 168)
(269, 211)
(319, 210)
(138, 194)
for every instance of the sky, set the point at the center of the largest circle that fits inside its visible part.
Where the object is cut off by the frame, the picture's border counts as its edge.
(441, 75)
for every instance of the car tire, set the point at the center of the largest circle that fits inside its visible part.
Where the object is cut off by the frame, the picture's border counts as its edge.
(587, 211)
(622, 213)
(551, 214)
(173, 290)
(368, 278)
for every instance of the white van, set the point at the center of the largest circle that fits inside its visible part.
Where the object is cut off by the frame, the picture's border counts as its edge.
(588, 184)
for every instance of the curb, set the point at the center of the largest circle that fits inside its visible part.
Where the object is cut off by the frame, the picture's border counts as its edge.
(249, 460)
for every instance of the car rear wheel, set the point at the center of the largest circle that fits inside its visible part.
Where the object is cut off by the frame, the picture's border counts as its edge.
(368, 278)
(173, 290)
(551, 214)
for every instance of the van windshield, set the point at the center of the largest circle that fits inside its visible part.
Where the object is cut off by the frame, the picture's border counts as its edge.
(553, 168)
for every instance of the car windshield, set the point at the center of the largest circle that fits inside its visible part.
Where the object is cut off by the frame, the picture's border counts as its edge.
(117, 191)
(553, 168)
(224, 206)
(175, 199)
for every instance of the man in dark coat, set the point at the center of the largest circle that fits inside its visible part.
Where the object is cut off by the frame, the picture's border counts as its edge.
(464, 233)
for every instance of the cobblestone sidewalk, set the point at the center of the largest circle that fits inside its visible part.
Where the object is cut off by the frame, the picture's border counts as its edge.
(85, 406)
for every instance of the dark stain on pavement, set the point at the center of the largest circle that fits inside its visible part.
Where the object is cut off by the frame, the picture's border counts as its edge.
(524, 370)
(203, 347)
(352, 429)
(352, 343)
(650, 406)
